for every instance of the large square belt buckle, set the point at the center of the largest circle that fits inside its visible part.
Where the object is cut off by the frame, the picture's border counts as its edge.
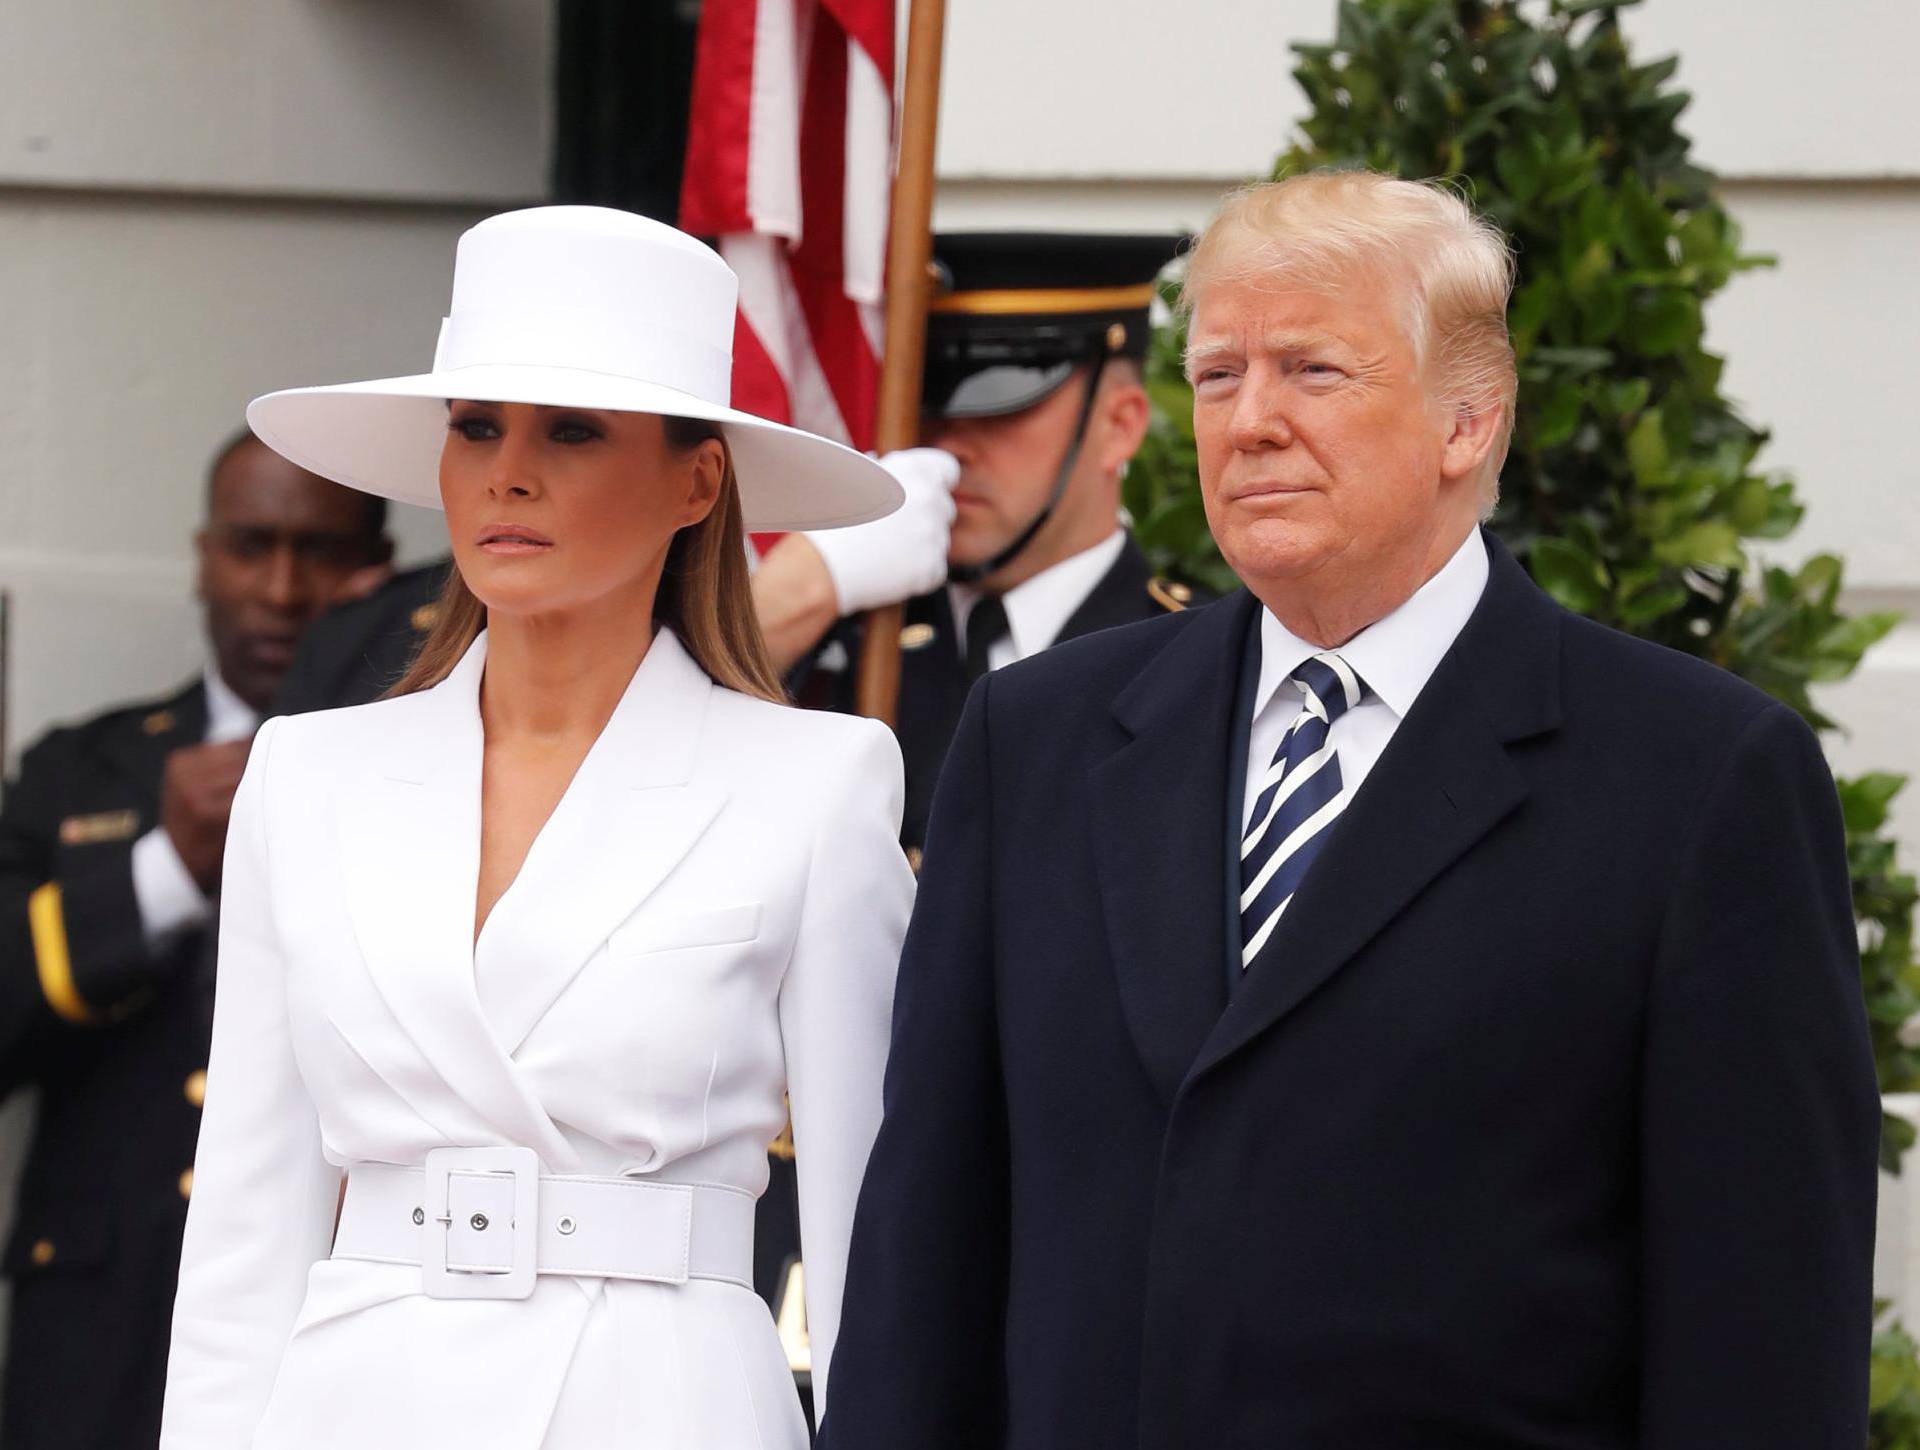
(515, 1281)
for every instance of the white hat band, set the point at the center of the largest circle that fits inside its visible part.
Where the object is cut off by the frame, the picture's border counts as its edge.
(571, 338)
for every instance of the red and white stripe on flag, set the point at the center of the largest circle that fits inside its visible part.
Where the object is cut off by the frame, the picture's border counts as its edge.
(790, 166)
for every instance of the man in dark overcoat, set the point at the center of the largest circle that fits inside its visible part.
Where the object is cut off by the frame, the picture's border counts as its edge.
(1379, 1010)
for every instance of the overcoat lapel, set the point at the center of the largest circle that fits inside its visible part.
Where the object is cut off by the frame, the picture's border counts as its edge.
(631, 814)
(410, 844)
(1159, 839)
(1445, 780)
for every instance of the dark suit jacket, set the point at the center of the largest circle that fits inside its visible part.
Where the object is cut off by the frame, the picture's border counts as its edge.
(1548, 1120)
(96, 1237)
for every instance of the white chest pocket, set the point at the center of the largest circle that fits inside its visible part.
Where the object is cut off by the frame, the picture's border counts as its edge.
(668, 931)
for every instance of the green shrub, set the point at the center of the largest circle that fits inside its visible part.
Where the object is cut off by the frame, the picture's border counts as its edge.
(1893, 1391)
(1633, 490)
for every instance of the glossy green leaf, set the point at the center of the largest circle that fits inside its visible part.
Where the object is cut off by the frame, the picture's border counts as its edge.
(1569, 574)
(1647, 452)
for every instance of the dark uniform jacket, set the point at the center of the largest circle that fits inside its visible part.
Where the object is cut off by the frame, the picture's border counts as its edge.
(933, 674)
(116, 1039)
(1545, 1121)
(355, 653)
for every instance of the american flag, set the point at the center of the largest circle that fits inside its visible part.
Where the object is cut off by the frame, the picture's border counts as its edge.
(789, 166)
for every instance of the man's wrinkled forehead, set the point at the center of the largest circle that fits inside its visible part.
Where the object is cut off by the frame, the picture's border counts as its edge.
(1281, 311)
(1283, 298)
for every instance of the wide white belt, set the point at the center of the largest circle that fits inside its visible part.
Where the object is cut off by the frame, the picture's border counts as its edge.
(483, 1222)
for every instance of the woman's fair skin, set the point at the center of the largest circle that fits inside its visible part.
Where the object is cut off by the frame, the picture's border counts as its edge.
(560, 520)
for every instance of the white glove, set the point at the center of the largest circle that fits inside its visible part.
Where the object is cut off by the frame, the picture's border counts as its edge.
(905, 553)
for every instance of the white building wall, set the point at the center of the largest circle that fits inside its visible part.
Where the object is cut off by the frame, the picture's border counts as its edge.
(1120, 114)
(201, 200)
(442, 100)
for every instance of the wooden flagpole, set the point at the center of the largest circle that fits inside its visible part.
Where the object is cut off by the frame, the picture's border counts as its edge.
(909, 252)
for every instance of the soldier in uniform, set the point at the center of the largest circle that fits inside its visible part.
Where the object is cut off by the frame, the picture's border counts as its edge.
(1035, 345)
(111, 840)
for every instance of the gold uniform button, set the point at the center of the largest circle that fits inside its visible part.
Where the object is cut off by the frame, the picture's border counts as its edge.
(42, 1253)
(196, 1088)
(916, 636)
(1169, 593)
(186, 1184)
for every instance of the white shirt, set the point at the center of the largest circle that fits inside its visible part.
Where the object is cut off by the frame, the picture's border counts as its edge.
(1395, 656)
(1038, 608)
(170, 900)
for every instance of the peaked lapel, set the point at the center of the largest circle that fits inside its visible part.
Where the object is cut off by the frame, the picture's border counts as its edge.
(1159, 839)
(1443, 782)
(410, 845)
(631, 814)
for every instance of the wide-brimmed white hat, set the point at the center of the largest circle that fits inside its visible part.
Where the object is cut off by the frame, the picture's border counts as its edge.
(581, 307)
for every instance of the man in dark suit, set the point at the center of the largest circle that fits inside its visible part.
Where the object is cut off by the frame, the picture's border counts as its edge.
(110, 848)
(1379, 1010)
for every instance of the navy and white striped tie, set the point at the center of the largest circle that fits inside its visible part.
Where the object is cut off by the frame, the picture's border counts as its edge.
(1298, 799)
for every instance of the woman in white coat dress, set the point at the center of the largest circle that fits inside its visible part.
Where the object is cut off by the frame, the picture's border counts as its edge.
(521, 968)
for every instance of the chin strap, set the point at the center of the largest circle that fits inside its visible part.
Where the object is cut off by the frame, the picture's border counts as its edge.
(974, 573)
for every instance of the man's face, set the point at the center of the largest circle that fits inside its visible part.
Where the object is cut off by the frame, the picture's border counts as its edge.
(1319, 445)
(280, 545)
(1007, 468)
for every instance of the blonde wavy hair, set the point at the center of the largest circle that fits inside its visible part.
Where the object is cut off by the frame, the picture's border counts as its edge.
(1323, 228)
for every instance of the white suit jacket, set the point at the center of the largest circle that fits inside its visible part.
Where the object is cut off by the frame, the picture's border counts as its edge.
(710, 919)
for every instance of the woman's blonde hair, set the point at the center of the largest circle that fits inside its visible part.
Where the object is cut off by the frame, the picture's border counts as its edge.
(1320, 228)
(705, 594)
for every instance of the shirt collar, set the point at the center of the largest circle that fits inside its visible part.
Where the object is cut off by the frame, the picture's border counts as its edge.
(228, 716)
(1397, 655)
(1039, 608)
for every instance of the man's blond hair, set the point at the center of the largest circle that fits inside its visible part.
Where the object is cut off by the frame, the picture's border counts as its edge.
(1327, 228)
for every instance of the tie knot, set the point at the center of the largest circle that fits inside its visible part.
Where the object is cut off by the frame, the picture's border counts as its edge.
(1330, 685)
